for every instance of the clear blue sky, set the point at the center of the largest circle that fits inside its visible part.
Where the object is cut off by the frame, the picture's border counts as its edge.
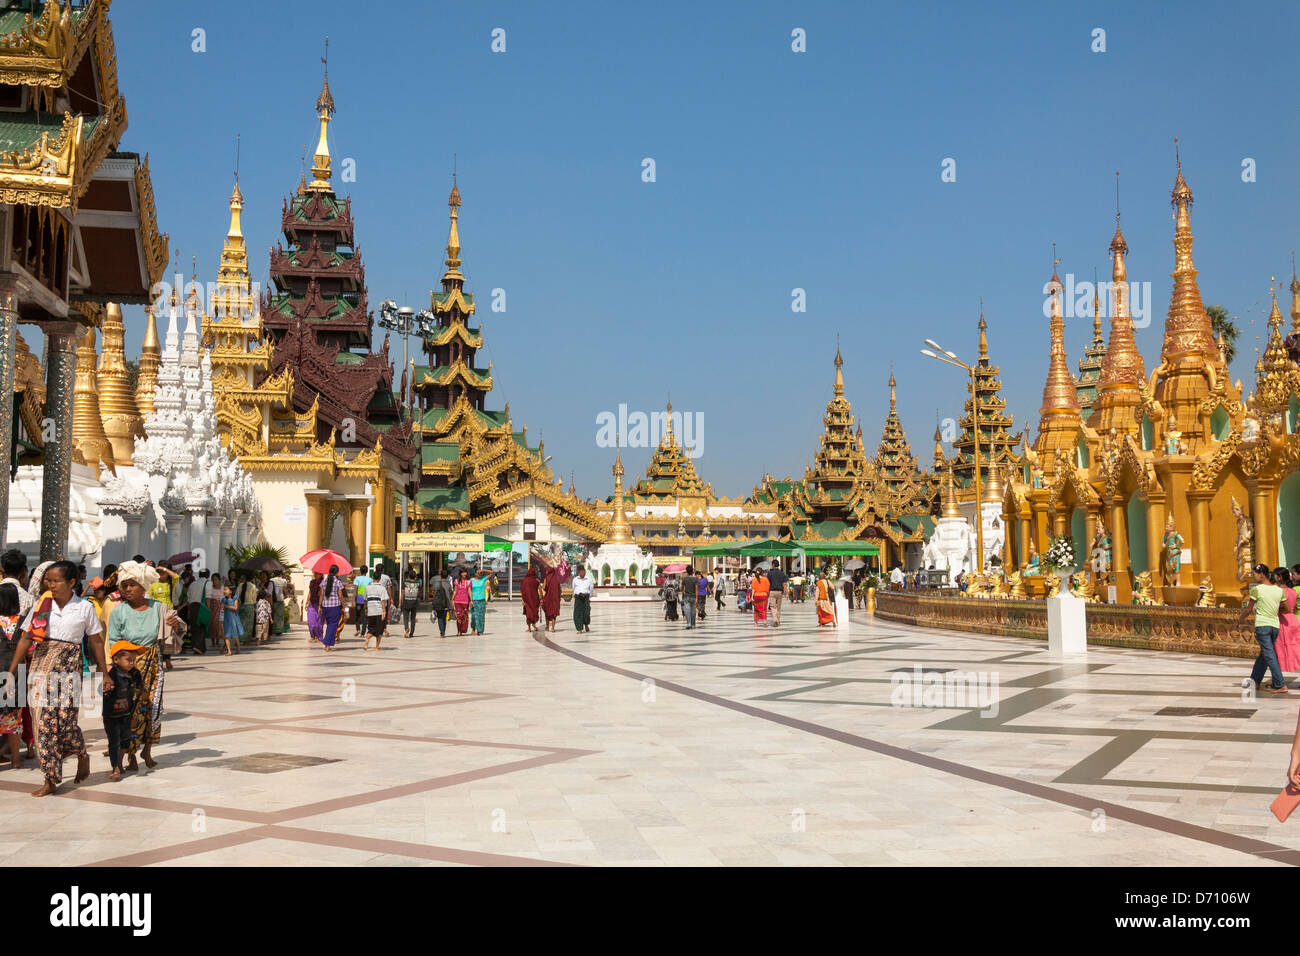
(775, 170)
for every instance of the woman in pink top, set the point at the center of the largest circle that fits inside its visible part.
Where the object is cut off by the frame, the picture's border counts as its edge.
(1288, 632)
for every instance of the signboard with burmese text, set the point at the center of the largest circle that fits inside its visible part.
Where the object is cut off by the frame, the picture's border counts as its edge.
(438, 541)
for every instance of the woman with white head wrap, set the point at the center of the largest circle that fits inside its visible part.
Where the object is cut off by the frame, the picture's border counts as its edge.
(146, 622)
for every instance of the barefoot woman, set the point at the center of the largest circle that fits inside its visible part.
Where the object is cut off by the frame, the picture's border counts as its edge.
(59, 621)
(143, 621)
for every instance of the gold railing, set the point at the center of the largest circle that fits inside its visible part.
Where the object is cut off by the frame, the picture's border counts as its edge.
(1186, 630)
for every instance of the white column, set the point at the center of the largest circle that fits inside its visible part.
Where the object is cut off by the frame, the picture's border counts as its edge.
(239, 524)
(133, 522)
(224, 533)
(173, 521)
(196, 524)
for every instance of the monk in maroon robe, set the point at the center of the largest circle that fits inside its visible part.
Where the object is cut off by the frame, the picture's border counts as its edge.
(551, 603)
(528, 593)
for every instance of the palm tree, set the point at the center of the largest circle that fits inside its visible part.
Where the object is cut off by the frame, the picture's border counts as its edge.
(1224, 328)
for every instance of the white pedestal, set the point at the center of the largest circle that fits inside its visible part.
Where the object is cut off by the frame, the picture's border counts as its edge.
(1067, 625)
(842, 611)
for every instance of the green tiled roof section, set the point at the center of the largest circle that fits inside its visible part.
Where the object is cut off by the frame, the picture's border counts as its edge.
(337, 258)
(440, 451)
(283, 303)
(433, 415)
(11, 21)
(332, 204)
(493, 418)
(519, 440)
(383, 399)
(827, 529)
(434, 498)
(423, 373)
(21, 131)
(443, 296)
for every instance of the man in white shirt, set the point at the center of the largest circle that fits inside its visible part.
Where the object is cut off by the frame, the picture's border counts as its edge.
(54, 682)
(387, 582)
(583, 588)
(376, 607)
(896, 578)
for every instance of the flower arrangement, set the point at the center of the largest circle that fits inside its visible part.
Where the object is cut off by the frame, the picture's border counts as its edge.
(1059, 555)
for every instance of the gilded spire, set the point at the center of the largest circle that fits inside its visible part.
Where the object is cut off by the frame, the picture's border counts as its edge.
(1119, 387)
(1060, 408)
(620, 532)
(1295, 298)
(88, 436)
(893, 399)
(1188, 331)
(993, 487)
(950, 508)
(839, 374)
(150, 358)
(1275, 355)
(453, 235)
(984, 338)
(938, 448)
(320, 167)
(117, 406)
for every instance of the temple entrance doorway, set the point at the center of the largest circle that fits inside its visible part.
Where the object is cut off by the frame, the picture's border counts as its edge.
(1137, 534)
(1288, 520)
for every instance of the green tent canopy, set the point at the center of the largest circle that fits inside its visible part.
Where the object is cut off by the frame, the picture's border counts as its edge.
(492, 543)
(772, 548)
(837, 548)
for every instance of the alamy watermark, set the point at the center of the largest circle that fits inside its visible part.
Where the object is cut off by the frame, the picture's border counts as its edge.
(1077, 299)
(975, 690)
(638, 429)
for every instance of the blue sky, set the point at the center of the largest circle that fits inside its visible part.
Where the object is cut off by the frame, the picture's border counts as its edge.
(775, 170)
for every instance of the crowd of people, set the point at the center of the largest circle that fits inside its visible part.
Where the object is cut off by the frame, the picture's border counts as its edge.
(759, 591)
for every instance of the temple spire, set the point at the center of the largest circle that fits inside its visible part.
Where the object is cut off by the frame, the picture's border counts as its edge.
(320, 167)
(88, 436)
(117, 405)
(893, 399)
(839, 373)
(1188, 331)
(1119, 387)
(150, 358)
(453, 235)
(1295, 298)
(620, 531)
(1060, 408)
(984, 338)
(950, 506)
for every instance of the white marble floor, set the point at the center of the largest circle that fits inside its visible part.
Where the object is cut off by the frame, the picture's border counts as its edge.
(646, 744)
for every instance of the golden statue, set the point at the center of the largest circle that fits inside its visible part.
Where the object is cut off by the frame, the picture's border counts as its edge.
(1053, 582)
(1206, 597)
(998, 584)
(1173, 548)
(1245, 546)
(1142, 593)
(1081, 587)
(1016, 586)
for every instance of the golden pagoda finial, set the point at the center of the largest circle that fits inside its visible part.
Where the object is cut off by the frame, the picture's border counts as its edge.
(950, 506)
(320, 167)
(1123, 374)
(1060, 408)
(620, 532)
(117, 405)
(893, 401)
(938, 446)
(453, 235)
(839, 373)
(1295, 298)
(88, 436)
(993, 486)
(984, 339)
(1189, 333)
(1096, 309)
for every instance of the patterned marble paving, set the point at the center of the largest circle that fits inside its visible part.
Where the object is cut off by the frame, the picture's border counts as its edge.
(642, 744)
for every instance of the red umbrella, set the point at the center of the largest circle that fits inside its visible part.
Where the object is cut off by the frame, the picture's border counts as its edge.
(675, 569)
(321, 561)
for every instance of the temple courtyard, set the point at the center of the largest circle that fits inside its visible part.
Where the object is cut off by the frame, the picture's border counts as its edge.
(646, 744)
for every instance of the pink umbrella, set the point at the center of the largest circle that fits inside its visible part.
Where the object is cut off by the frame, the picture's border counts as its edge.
(675, 569)
(321, 561)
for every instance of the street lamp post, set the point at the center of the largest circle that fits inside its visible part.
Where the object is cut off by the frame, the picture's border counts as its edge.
(943, 355)
(405, 321)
